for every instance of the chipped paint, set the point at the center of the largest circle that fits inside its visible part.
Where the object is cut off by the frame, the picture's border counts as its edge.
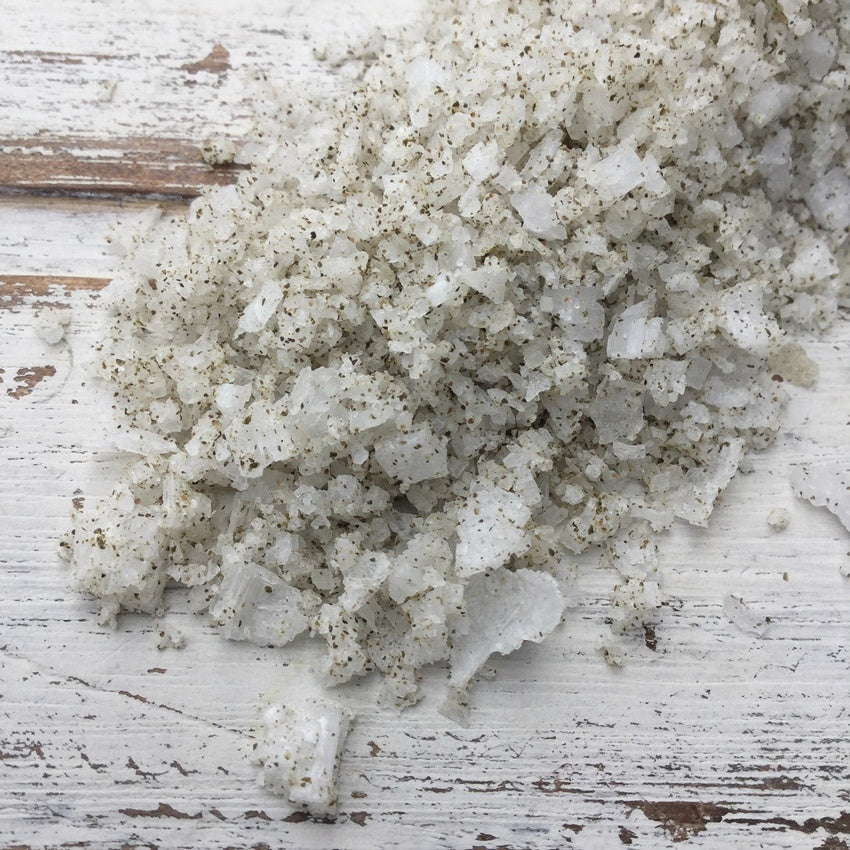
(217, 61)
(28, 378)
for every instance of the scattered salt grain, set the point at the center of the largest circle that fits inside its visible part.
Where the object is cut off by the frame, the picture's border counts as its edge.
(50, 323)
(778, 519)
(218, 150)
(169, 638)
(299, 749)
(742, 615)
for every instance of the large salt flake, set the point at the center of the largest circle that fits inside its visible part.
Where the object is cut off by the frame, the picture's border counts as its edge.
(616, 175)
(829, 200)
(741, 317)
(257, 605)
(503, 610)
(260, 309)
(825, 485)
(694, 500)
(634, 335)
(412, 457)
(491, 529)
(482, 161)
(299, 751)
(536, 208)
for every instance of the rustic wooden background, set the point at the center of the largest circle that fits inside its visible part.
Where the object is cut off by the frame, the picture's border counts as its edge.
(711, 732)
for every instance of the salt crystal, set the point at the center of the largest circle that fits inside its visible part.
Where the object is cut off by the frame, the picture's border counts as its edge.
(503, 610)
(825, 485)
(299, 750)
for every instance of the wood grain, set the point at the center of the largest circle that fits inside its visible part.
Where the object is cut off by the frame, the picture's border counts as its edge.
(707, 736)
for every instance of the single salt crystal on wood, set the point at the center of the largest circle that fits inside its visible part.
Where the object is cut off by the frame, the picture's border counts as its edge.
(778, 518)
(744, 617)
(298, 751)
(50, 324)
(825, 485)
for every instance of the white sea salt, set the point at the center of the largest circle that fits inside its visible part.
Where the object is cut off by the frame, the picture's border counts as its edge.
(299, 749)
(50, 324)
(526, 287)
(825, 484)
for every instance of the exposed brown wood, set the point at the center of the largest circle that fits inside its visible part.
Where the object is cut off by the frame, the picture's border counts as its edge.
(130, 167)
(27, 378)
(217, 61)
(15, 289)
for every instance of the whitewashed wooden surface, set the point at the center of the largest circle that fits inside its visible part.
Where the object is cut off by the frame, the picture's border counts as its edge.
(717, 737)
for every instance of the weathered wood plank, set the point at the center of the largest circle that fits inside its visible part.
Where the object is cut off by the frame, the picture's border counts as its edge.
(108, 102)
(116, 168)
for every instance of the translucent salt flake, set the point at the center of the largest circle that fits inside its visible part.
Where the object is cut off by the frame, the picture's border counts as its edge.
(503, 610)
(744, 617)
(424, 564)
(817, 53)
(742, 318)
(412, 457)
(769, 102)
(258, 312)
(441, 290)
(778, 518)
(139, 441)
(792, 364)
(634, 335)
(814, 262)
(491, 528)
(257, 605)
(615, 175)
(362, 577)
(829, 200)
(489, 279)
(825, 485)
(617, 411)
(231, 398)
(299, 749)
(423, 76)
(536, 208)
(49, 324)
(694, 500)
(637, 596)
(579, 312)
(482, 161)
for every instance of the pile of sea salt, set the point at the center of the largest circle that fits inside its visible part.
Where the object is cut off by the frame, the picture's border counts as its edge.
(525, 287)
